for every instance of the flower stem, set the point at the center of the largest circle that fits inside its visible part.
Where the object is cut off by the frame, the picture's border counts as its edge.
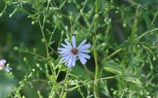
(44, 37)
(96, 92)
(64, 93)
(135, 23)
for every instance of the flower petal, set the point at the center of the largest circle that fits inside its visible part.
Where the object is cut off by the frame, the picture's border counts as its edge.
(62, 49)
(68, 44)
(69, 65)
(82, 43)
(83, 51)
(2, 62)
(64, 45)
(82, 59)
(73, 42)
(66, 51)
(86, 56)
(86, 46)
(65, 58)
(73, 61)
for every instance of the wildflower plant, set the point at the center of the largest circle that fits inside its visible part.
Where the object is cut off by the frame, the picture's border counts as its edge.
(114, 41)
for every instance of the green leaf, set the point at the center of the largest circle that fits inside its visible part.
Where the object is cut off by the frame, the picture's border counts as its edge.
(80, 72)
(113, 67)
(134, 80)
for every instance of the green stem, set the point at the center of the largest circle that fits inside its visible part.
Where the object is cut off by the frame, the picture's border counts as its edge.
(96, 93)
(64, 93)
(134, 28)
(96, 6)
(112, 54)
(44, 37)
(145, 33)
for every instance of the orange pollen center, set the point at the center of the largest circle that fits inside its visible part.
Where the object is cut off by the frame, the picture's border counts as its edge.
(74, 51)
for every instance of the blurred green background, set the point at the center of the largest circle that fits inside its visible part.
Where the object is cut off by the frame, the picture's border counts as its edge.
(115, 30)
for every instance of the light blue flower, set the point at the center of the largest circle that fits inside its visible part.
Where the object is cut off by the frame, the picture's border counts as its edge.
(70, 53)
(2, 66)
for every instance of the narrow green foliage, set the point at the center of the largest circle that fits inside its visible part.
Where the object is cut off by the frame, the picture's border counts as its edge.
(123, 53)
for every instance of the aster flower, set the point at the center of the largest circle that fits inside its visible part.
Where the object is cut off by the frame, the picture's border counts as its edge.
(70, 53)
(2, 66)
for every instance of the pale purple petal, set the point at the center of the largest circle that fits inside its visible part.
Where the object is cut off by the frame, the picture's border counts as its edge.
(2, 65)
(82, 59)
(73, 42)
(84, 51)
(62, 49)
(64, 52)
(70, 60)
(86, 56)
(82, 43)
(73, 61)
(2, 62)
(83, 47)
(68, 44)
(65, 58)
(65, 46)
